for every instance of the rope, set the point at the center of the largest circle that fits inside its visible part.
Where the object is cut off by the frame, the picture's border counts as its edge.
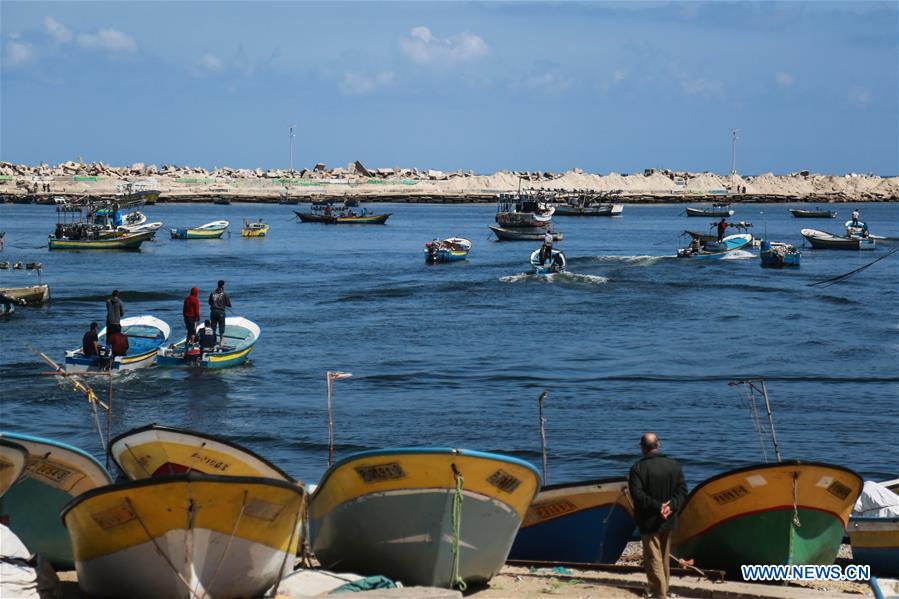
(796, 521)
(756, 420)
(456, 580)
(243, 507)
(829, 282)
(139, 463)
(300, 516)
(158, 548)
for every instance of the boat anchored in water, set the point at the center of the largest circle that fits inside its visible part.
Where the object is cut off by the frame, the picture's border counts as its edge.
(254, 229)
(452, 249)
(717, 210)
(240, 336)
(348, 213)
(35, 295)
(825, 240)
(815, 213)
(146, 335)
(588, 205)
(213, 230)
(774, 254)
(529, 234)
(527, 209)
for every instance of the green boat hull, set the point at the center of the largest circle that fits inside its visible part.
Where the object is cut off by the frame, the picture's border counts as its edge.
(767, 537)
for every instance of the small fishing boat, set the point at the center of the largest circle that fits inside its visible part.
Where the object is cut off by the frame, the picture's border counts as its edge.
(523, 210)
(714, 249)
(874, 529)
(775, 254)
(584, 522)
(816, 213)
(55, 473)
(789, 512)
(556, 263)
(405, 500)
(860, 231)
(589, 209)
(7, 305)
(824, 240)
(143, 228)
(717, 210)
(452, 249)
(213, 230)
(128, 241)
(155, 450)
(146, 335)
(254, 229)
(144, 191)
(345, 217)
(185, 536)
(240, 336)
(712, 235)
(222, 201)
(35, 295)
(530, 234)
(13, 458)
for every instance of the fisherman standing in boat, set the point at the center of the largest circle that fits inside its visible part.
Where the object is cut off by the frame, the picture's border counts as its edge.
(722, 228)
(219, 301)
(546, 252)
(855, 217)
(658, 490)
(191, 313)
(115, 310)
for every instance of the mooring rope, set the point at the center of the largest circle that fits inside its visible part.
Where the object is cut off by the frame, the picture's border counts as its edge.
(796, 521)
(243, 507)
(829, 282)
(158, 548)
(456, 580)
(753, 407)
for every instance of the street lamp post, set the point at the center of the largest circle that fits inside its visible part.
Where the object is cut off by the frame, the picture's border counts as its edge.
(290, 129)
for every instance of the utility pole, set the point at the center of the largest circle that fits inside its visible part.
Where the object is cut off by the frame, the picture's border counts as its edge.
(733, 158)
(290, 129)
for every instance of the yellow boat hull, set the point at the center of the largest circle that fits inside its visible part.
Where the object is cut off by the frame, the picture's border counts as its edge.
(255, 232)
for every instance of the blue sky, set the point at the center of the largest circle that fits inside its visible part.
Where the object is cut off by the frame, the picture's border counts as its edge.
(484, 86)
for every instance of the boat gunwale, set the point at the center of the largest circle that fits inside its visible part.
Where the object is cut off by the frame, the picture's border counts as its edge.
(586, 483)
(65, 446)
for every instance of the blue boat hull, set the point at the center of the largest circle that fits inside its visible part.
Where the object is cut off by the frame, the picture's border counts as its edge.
(771, 260)
(884, 561)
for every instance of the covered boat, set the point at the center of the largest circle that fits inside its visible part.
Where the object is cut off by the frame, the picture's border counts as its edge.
(146, 334)
(716, 249)
(523, 210)
(155, 450)
(584, 522)
(530, 234)
(185, 536)
(717, 210)
(13, 458)
(55, 473)
(790, 513)
(254, 229)
(824, 240)
(556, 263)
(127, 241)
(213, 230)
(390, 512)
(775, 254)
(240, 337)
(452, 249)
(816, 213)
(35, 295)
(874, 529)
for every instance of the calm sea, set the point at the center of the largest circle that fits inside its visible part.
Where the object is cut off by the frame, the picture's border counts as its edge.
(456, 355)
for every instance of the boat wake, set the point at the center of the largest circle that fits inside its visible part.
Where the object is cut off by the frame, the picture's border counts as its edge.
(639, 260)
(559, 276)
(738, 255)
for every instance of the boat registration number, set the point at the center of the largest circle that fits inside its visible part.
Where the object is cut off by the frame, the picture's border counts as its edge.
(380, 472)
(730, 495)
(504, 481)
(114, 516)
(551, 510)
(838, 489)
(48, 470)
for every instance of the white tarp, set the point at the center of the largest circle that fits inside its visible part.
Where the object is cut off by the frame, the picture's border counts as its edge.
(876, 501)
(21, 576)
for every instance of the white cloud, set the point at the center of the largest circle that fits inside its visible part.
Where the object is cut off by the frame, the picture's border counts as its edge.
(59, 31)
(360, 84)
(111, 40)
(422, 47)
(619, 75)
(211, 63)
(549, 82)
(784, 79)
(702, 87)
(17, 52)
(860, 97)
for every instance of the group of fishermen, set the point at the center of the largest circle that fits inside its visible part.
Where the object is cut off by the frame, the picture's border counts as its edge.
(117, 342)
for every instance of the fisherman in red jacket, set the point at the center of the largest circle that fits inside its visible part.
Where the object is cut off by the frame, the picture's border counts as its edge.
(192, 314)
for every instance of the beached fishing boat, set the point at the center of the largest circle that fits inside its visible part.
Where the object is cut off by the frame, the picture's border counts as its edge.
(824, 240)
(240, 337)
(55, 473)
(785, 513)
(816, 213)
(530, 234)
(715, 249)
(146, 335)
(774, 254)
(254, 229)
(390, 512)
(717, 210)
(35, 295)
(523, 210)
(154, 450)
(452, 249)
(129, 241)
(585, 522)
(589, 209)
(874, 529)
(13, 458)
(213, 230)
(185, 536)
(556, 263)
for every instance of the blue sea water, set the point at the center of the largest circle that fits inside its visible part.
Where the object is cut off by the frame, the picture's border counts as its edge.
(630, 340)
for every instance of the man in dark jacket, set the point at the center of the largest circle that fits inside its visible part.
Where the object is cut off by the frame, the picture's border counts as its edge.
(218, 301)
(115, 310)
(657, 488)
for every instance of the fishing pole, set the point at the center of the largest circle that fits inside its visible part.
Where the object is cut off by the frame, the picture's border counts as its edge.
(834, 280)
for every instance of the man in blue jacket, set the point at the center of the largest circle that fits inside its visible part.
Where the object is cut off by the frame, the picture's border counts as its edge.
(658, 490)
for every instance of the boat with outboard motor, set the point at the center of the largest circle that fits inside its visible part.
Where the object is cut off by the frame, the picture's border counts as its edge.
(741, 226)
(556, 262)
(717, 210)
(254, 229)
(240, 334)
(329, 212)
(451, 249)
(525, 209)
(528, 234)
(213, 230)
(35, 295)
(859, 230)
(816, 213)
(775, 254)
(146, 334)
(715, 249)
(830, 241)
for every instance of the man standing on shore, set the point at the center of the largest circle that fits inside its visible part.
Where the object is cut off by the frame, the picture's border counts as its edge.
(658, 490)
(115, 310)
(218, 301)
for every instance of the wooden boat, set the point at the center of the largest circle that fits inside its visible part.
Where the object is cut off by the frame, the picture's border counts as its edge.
(36, 295)
(784, 513)
(824, 240)
(530, 234)
(146, 335)
(452, 249)
(523, 210)
(860, 231)
(556, 263)
(874, 529)
(774, 254)
(143, 228)
(715, 211)
(390, 512)
(254, 229)
(185, 536)
(585, 522)
(240, 335)
(130, 241)
(345, 218)
(816, 213)
(213, 230)
(55, 473)
(715, 250)
(589, 209)
(13, 458)
(155, 450)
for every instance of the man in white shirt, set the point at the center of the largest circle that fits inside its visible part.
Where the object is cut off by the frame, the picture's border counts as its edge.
(855, 216)
(546, 252)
